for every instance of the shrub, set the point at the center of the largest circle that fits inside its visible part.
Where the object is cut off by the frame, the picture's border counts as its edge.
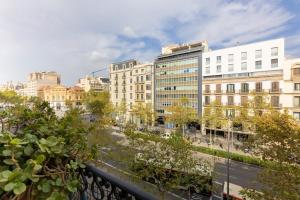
(40, 154)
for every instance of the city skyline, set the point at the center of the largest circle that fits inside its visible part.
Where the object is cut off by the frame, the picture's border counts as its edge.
(76, 39)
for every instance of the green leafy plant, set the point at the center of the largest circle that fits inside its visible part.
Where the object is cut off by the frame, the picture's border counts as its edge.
(40, 154)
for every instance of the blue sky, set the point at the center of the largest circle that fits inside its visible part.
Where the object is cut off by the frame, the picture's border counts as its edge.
(75, 38)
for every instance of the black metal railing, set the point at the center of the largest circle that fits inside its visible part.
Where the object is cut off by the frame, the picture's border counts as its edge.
(99, 185)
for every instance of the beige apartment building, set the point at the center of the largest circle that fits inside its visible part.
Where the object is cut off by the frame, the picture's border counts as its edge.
(37, 80)
(58, 96)
(131, 82)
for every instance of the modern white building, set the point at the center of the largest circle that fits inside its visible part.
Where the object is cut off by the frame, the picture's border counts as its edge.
(232, 74)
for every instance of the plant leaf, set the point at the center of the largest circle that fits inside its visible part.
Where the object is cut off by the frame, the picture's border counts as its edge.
(9, 187)
(19, 188)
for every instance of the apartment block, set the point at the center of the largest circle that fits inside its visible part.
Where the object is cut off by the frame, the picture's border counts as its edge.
(37, 80)
(177, 75)
(131, 81)
(58, 96)
(95, 84)
(232, 75)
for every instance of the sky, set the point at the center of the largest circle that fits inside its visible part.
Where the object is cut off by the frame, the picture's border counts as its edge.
(77, 37)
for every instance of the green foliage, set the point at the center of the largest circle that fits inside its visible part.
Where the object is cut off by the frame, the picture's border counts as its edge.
(232, 156)
(144, 112)
(180, 113)
(168, 163)
(40, 154)
(277, 142)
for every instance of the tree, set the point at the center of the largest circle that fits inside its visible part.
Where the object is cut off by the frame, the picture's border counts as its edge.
(277, 141)
(121, 111)
(40, 154)
(181, 113)
(144, 112)
(213, 118)
(168, 163)
(99, 107)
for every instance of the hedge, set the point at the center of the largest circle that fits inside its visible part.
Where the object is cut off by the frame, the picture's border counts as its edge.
(232, 156)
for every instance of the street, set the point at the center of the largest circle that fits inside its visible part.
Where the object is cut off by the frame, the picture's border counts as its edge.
(240, 174)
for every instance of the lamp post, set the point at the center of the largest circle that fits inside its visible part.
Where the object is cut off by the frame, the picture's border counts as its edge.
(228, 146)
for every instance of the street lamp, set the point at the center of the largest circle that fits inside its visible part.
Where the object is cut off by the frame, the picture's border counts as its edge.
(228, 160)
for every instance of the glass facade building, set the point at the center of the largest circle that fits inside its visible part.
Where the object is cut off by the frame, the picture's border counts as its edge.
(178, 75)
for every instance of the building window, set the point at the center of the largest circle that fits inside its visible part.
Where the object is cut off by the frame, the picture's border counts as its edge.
(258, 64)
(137, 79)
(207, 100)
(124, 66)
(137, 96)
(230, 100)
(142, 78)
(219, 68)
(131, 65)
(230, 58)
(258, 53)
(142, 87)
(130, 95)
(142, 70)
(116, 96)
(230, 88)
(130, 73)
(244, 66)
(219, 100)
(244, 87)
(142, 96)
(218, 88)
(219, 59)
(274, 51)
(244, 100)
(297, 86)
(275, 87)
(275, 101)
(244, 56)
(136, 71)
(297, 101)
(148, 87)
(230, 113)
(147, 77)
(207, 61)
(274, 63)
(296, 71)
(207, 88)
(148, 96)
(207, 70)
(230, 67)
(296, 115)
(258, 87)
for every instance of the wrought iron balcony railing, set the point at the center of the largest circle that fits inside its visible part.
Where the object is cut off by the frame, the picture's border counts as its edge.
(98, 185)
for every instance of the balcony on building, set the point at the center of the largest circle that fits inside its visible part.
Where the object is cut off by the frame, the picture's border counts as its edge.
(275, 90)
(230, 91)
(244, 91)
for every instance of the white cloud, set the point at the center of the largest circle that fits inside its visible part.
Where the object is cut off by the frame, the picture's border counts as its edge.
(77, 38)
